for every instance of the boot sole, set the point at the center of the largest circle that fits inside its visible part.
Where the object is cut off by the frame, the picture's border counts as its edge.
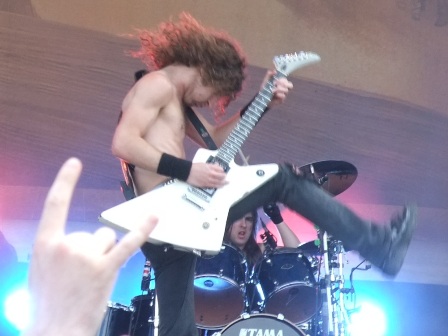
(398, 252)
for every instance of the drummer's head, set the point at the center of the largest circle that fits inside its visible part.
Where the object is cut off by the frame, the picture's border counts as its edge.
(243, 230)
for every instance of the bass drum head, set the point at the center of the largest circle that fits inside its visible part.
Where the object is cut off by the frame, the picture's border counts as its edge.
(261, 324)
(289, 285)
(219, 288)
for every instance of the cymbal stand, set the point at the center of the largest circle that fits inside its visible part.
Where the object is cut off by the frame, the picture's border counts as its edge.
(328, 281)
(333, 255)
(342, 317)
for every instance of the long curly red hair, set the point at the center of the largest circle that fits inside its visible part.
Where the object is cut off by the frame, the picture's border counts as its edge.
(217, 56)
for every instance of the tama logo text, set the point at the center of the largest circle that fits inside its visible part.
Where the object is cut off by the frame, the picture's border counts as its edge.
(260, 332)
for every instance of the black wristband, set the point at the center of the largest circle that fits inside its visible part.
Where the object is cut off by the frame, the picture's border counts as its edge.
(273, 212)
(277, 219)
(245, 108)
(174, 167)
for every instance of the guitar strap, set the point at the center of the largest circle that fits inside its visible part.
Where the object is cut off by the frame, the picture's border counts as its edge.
(200, 128)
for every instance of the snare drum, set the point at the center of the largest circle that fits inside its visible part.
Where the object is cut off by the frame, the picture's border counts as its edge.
(289, 286)
(261, 324)
(219, 288)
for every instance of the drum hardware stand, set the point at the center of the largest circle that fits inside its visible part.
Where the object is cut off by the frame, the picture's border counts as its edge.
(337, 315)
(328, 279)
(145, 287)
(254, 280)
(268, 238)
(351, 290)
(156, 315)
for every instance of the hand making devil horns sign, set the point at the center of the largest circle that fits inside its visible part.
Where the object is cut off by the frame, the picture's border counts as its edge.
(72, 275)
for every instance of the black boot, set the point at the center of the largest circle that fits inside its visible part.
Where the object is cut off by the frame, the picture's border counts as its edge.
(402, 230)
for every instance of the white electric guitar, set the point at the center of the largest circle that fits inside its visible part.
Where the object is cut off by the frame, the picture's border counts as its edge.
(194, 219)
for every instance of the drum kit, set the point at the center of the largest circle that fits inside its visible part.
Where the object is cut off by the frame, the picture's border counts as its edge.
(288, 289)
(289, 292)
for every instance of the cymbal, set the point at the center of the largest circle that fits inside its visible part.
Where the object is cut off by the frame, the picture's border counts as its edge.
(333, 176)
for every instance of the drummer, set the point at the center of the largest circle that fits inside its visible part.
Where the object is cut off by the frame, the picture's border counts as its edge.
(242, 234)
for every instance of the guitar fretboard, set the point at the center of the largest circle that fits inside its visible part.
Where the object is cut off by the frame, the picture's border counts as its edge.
(251, 117)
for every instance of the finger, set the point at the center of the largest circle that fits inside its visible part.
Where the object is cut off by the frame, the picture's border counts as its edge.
(267, 77)
(222, 183)
(105, 239)
(57, 203)
(217, 170)
(284, 87)
(215, 167)
(131, 242)
(280, 96)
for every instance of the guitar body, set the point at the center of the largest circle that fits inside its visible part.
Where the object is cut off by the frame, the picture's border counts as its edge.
(188, 222)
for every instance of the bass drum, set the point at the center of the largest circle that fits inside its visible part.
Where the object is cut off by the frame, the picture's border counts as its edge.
(142, 319)
(116, 320)
(261, 324)
(289, 286)
(219, 288)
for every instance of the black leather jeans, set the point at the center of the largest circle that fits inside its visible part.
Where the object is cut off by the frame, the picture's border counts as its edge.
(302, 195)
(174, 275)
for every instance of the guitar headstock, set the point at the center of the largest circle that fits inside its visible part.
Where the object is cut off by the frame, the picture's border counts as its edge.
(291, 62)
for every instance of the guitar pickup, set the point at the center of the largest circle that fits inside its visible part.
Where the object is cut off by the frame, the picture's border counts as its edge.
(192, 201)
(203, 193)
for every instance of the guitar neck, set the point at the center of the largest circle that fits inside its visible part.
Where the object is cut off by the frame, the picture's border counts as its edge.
(250, 118)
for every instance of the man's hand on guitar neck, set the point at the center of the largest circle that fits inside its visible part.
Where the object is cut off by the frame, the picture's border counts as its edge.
(281, 88)
(206, 175)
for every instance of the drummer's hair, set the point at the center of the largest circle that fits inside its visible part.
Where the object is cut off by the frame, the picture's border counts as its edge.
(251, 249)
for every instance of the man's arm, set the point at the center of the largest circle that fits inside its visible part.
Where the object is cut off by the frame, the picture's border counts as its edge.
(140, 111)
(289, 238)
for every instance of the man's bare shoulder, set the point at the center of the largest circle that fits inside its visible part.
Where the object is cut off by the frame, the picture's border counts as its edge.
(153, 89)
(156, 80)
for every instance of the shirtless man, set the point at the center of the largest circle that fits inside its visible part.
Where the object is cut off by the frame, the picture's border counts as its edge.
(199, 67)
